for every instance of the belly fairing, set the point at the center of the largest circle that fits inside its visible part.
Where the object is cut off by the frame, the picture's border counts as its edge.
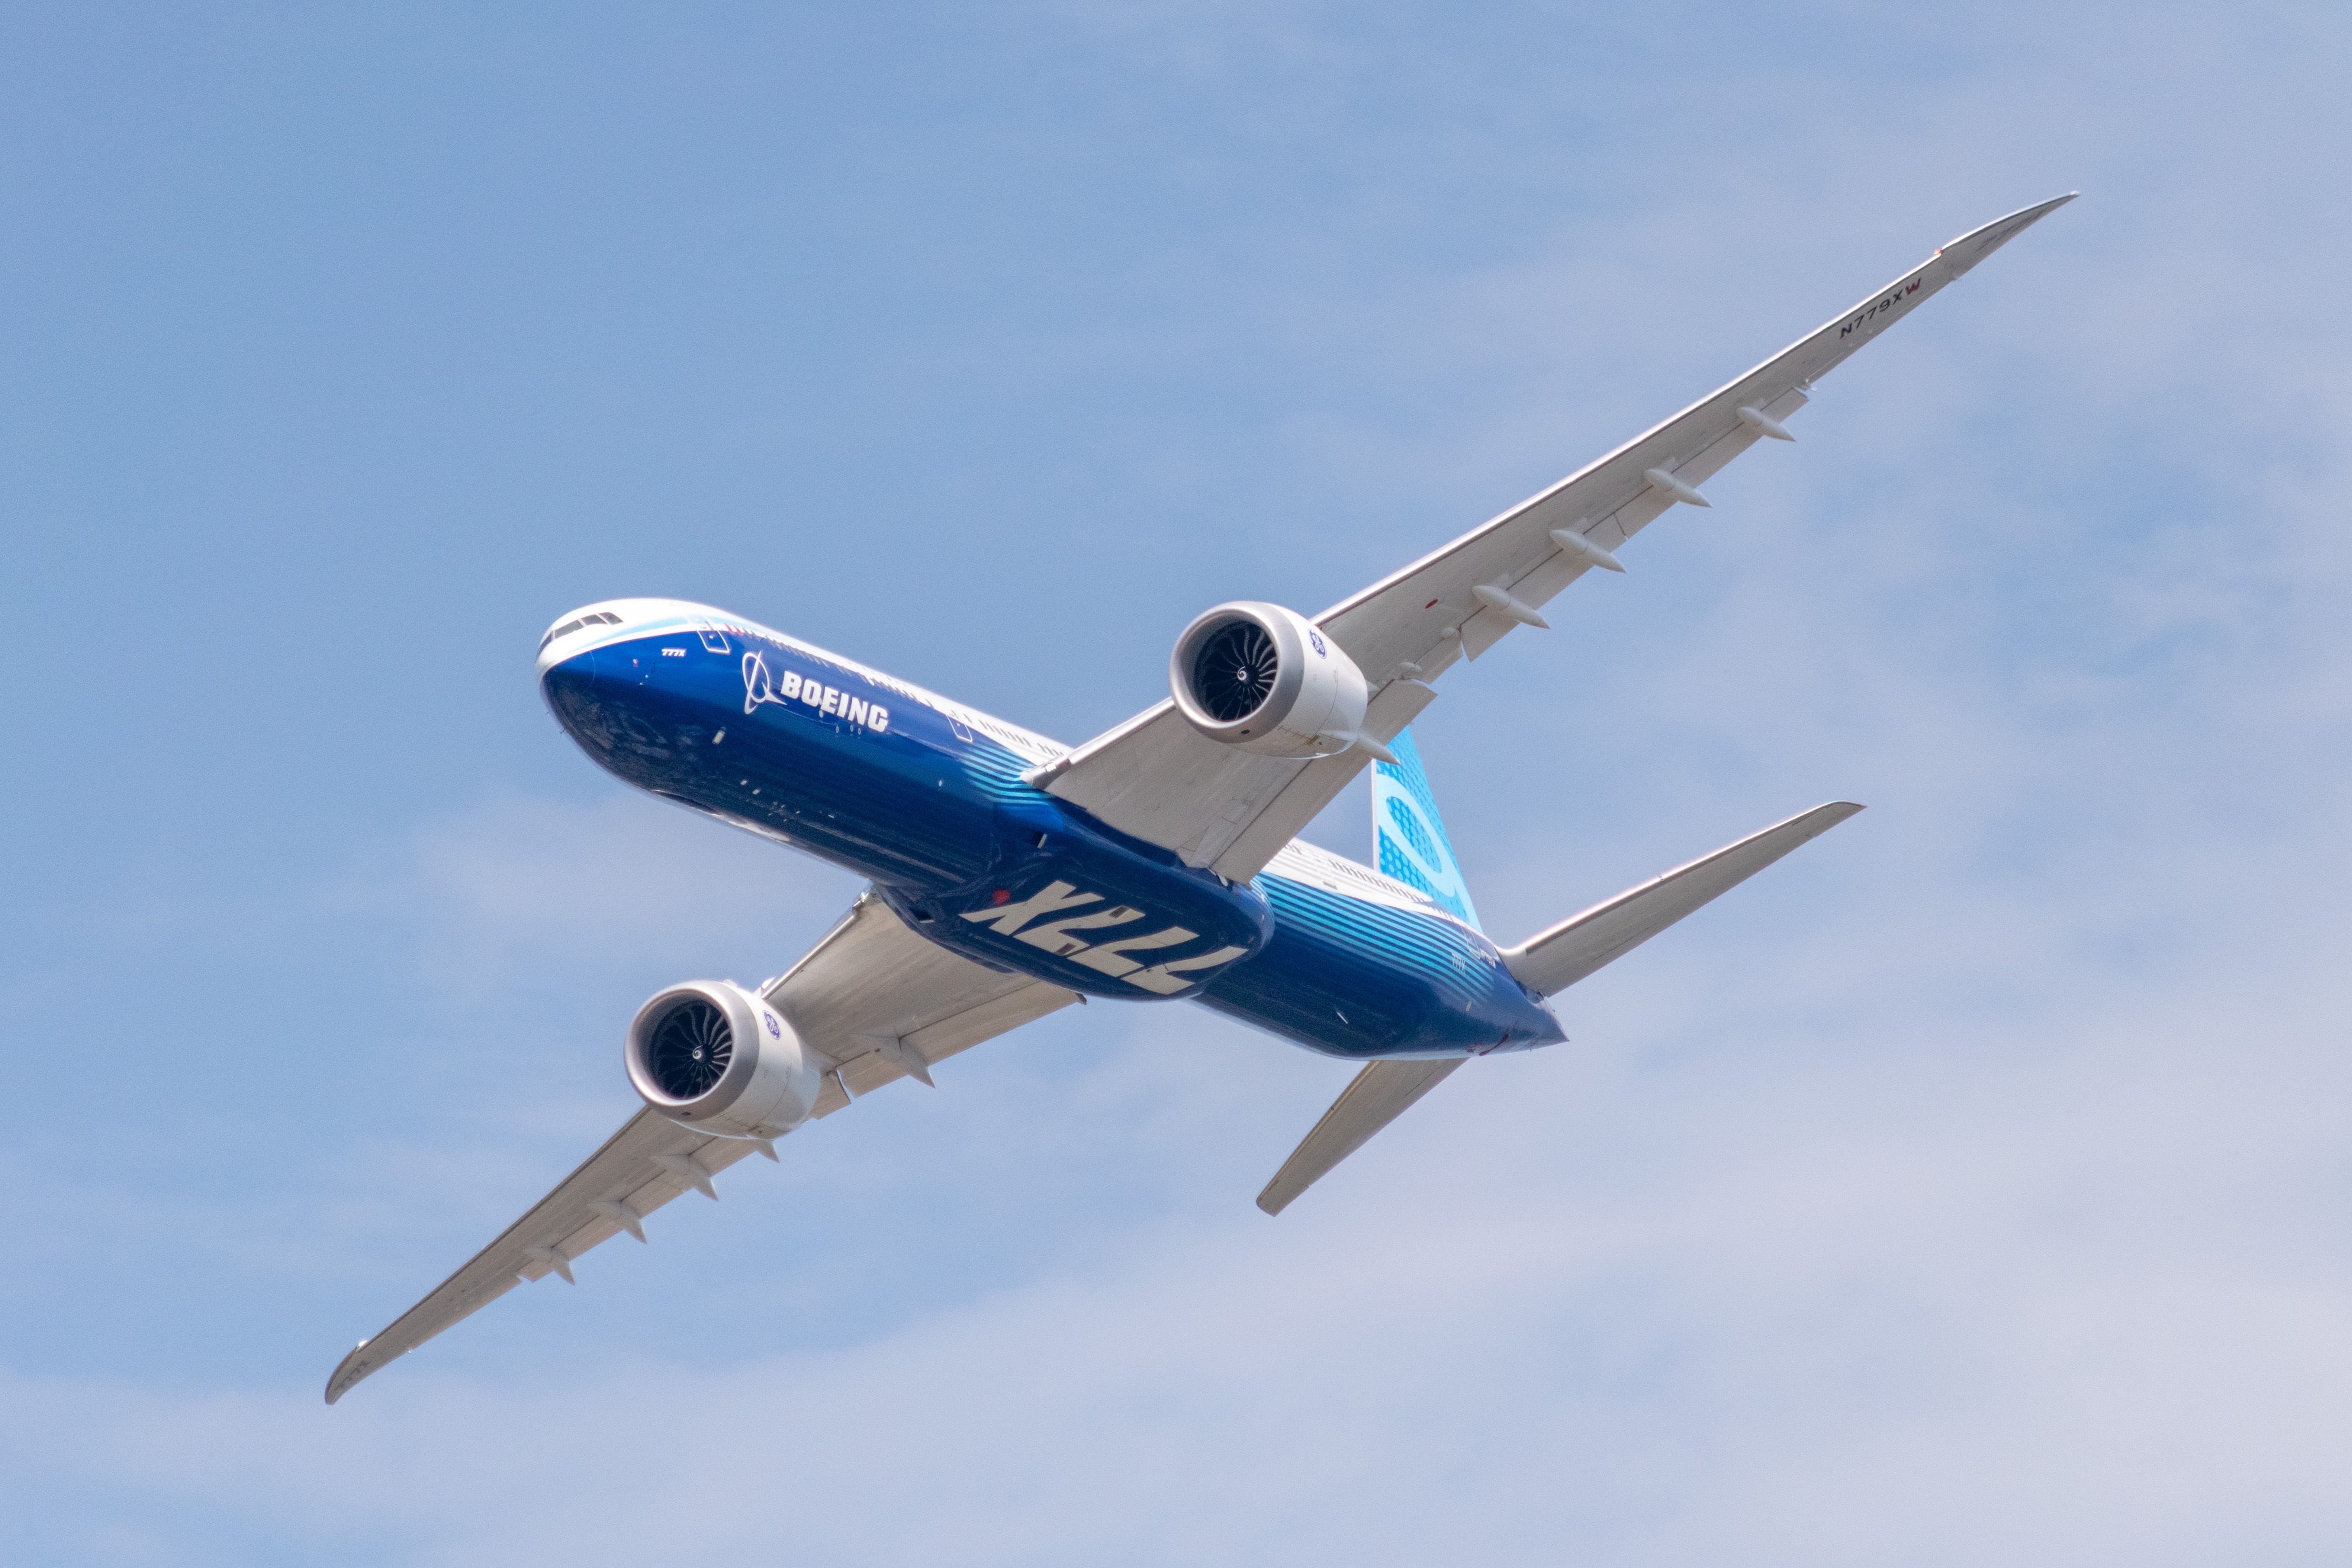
(1090, 914)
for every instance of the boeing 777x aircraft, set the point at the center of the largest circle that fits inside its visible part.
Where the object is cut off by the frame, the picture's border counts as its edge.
(1011, 875)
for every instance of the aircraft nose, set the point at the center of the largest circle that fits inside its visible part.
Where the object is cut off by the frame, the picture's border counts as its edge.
(573, 633)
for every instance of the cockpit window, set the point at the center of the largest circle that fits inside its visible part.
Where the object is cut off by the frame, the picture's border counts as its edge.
(593, 618)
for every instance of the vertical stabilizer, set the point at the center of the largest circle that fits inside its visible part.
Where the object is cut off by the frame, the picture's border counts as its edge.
(1409, 840)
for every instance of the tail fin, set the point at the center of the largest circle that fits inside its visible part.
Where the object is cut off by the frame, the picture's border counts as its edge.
(1409, 840)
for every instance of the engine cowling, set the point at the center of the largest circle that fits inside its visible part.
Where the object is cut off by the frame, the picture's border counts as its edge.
(712, 1056)
(1262, 678)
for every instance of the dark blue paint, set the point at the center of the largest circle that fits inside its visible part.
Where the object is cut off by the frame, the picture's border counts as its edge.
(935, 813)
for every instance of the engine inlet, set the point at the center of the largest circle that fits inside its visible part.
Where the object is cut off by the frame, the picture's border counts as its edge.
(690, 1048)
(1232, 674)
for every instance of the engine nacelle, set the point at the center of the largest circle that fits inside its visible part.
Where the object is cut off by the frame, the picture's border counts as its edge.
(1265, 679)
(711, 1056)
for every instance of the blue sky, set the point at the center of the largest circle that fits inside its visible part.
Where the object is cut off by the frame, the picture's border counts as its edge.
(1970, 1189)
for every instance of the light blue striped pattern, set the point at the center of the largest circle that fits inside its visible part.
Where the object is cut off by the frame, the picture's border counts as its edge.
(1409, 839)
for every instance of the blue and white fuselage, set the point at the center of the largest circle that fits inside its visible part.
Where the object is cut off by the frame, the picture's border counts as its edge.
(926, 799)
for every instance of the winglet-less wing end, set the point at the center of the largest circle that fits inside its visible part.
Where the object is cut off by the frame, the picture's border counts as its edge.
(353, 1367)
(1973, 247)
(1532, 551)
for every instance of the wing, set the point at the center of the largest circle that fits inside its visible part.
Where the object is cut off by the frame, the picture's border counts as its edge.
(877, 1000)
(1155, 777)
(884, 1003)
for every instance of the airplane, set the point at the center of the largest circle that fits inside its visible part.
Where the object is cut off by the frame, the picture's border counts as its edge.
(1010, 876)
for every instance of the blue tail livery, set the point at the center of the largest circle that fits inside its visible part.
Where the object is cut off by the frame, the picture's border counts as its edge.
(1409, 839)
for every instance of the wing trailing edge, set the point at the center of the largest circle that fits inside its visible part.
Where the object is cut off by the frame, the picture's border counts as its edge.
(873, 998)
(1157, 779)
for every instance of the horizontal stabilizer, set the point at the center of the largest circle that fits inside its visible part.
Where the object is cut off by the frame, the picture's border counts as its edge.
(1553, 961)
(1378, 1095)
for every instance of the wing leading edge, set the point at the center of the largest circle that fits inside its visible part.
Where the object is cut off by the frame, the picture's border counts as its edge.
(1393, 622)
(1157, 778)
(875, 1000)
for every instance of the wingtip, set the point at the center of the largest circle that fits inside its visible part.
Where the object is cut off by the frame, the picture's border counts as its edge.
(1991, 237)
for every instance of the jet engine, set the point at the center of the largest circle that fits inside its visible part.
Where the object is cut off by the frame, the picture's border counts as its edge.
(712, 1056)
(1262, 678)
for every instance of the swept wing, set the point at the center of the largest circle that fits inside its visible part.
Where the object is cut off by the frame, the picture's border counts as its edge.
(1157, 778)
(878, 1002)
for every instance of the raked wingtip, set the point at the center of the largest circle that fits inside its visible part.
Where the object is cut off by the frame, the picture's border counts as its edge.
(337, 1382)
(1999, 232)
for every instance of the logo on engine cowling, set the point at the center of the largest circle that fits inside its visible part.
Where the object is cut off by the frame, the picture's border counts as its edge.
(1026, 922)
(775, 1031)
